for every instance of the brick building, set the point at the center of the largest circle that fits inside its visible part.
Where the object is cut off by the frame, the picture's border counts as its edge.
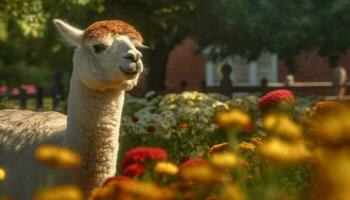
(186, 66)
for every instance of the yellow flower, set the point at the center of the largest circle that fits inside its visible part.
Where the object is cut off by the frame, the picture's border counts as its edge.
(231, 192)
(112, 190)
(66, 192)
(233, 118)
(147, 190)
(218, 148)
(283, 126)
(247, 146)
(332, 174)
(332, 129)
(283, 152)
(2, 174)
(202, 174)
(166, 168)
(224, 160)
(56, 156)
(323, 108)
(255, 140)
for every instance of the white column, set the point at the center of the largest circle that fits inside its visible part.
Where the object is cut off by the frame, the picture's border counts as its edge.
(209, 73)
(253, 73)
(274, 68)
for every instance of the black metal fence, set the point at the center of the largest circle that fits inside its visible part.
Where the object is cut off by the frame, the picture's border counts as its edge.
(57, 96)
(226, 87)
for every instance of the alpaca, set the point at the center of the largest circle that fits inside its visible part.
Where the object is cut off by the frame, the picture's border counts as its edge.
(106, 62)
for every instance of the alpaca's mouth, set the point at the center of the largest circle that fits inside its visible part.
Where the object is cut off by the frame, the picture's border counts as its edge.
(128, 73)
(130, 70)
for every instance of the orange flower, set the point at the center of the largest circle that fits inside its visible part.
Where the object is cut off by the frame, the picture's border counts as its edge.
(246, 146)
(116, 179)
(327, 107)
(183, 125)
(66, 192)
(57, 156)
(233, 118)
(224, 161)
(218, 148)
(147, 190)
(202, 174)
(255, 140)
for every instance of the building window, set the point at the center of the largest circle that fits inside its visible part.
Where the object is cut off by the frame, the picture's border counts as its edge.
(244, 72)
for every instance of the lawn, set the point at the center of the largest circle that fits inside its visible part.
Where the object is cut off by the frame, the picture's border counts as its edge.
(31, 104)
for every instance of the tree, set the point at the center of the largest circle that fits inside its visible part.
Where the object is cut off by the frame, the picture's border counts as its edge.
(231, 27)
(27, 37)
(247, 28)
(162, 22)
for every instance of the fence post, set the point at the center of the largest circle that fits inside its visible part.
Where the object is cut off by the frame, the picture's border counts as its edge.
(203, 86)
(39, 98)
(57, 90)
(339, 80)
(22, 98)
(183, 85)
(226, 83)
(263, 85)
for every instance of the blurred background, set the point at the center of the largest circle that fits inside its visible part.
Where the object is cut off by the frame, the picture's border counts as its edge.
(302, 44)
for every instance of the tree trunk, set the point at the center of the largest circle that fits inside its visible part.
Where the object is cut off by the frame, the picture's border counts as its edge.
(157, 62)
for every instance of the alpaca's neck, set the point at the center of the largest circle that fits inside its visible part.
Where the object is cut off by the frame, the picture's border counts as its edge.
(93, 131)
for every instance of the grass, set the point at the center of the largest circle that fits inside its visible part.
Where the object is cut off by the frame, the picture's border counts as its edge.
(31, 104)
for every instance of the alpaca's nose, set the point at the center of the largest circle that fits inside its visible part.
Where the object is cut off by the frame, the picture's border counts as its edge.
(133, 55)
(134, 66)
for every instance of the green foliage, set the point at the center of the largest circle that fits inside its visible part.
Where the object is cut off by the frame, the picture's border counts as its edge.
(28, 35)
(266, 179)
(239, 27)
(170, 120)
(184, 123)
(157, 19)
(247, 28)
(22, 73)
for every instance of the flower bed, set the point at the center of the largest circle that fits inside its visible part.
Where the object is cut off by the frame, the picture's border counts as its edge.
(184, 124)
(207, 146)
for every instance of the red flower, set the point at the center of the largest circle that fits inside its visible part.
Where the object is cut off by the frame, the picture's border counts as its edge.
(249, 128)
(116, 179)
(193, 162)
(276, 96)
(183, 125)
(134, 159)
(135, 119)
(184, 159)
(133, 170)
(151, 129)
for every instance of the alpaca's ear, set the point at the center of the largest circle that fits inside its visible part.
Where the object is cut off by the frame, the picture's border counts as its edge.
(73, 35)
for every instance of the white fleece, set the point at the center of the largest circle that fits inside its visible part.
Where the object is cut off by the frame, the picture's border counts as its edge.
(92, 130)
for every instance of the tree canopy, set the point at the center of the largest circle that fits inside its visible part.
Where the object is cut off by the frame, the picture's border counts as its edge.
(28, 39)
(28, 36)
(247, 28)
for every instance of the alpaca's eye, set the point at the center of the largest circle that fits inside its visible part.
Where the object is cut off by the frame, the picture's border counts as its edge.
(99, 47)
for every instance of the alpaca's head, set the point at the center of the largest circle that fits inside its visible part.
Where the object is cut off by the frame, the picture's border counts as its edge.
(107, 54)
